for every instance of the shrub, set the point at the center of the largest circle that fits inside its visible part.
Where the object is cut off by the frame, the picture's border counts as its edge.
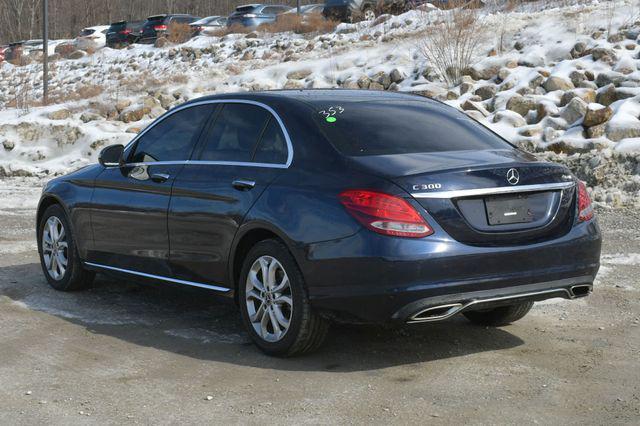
(304, 24)
(179, 33)
(449, 45)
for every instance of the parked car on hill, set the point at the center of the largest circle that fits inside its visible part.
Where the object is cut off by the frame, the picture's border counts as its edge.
(123, 33)
(308, 9)
(92, 37)
(159, 26)
(368, 10)
(305, 207)
(254, 15)
(14, 51)
(209, 24)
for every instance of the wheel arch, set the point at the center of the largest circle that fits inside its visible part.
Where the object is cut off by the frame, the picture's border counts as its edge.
(246, 238)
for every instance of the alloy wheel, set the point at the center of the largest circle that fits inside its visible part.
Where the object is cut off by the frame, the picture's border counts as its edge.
(55, 248)
(268, 298)
(369, 15)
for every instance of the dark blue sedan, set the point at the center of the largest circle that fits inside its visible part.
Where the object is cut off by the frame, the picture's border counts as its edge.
(254, 15)
(326, 206)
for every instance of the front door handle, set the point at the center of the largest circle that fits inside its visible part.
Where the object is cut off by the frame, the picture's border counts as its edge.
(160, 177)
(243, 184)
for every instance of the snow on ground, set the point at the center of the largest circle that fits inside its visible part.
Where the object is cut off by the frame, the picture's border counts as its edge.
(565, 80)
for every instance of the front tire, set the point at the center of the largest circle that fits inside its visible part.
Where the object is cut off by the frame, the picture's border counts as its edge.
(274, 305)
(59, 258)
(500, 316)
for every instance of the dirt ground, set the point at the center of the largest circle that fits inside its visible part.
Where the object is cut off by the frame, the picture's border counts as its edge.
(123, 353)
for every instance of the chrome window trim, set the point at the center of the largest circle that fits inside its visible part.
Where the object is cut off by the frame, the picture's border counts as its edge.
(158, 277)
(494, 191)
(218, 163)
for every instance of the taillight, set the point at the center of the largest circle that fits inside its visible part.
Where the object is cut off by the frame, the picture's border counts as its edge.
(385, 214)
(585, 209)
(125, 32)
(160, 28)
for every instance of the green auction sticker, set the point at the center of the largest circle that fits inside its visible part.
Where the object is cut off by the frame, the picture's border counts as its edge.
(331, 119)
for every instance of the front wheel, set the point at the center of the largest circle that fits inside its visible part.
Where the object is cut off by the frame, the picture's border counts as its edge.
(59, 258)
(274, 304)
(500, 316)
(368, 14)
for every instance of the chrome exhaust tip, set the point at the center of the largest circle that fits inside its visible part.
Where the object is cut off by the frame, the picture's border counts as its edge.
(581, 290)
(436, 313)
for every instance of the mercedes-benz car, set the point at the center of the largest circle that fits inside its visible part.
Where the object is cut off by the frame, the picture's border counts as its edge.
(313, 207)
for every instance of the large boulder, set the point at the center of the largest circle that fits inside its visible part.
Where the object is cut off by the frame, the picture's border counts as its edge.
(61, 114)
(299, 74)
(606, 95)
(574, 111)
(587, 95)
(596, 114)
(511, 118)
(521, 104)
(486, 92)
(616, 131)
(611, 77)
(557, 83)
(604, 54)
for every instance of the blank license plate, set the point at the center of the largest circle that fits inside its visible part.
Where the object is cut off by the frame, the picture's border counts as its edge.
(506, 210)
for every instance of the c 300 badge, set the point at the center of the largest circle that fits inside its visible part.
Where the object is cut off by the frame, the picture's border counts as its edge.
(427, 186)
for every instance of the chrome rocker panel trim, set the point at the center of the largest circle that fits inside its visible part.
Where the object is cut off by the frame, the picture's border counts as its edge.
(158, 277)
(494, 191)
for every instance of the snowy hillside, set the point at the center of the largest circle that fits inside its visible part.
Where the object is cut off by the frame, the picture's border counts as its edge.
(565, 85)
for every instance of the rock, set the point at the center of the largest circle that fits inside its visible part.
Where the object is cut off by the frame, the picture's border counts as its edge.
(476, 115)
(574, 111)
(625, 66)
(618, 131)
(396, 76)
(486, 92)
(615, 38)
(518, 45)
(293, 84)
(364, 82)
(607, 95)
(557, 83)
(133, 129)
(248, 55)
(470, 105)
(132, 114)
(603, 54)
(122, 104)
(598, 131)
(161, 42)
(503, 74)
(578, 50)
(252, 34)
(521, 104)
(465, 88)
(8, 145)
(577, 77)
(299, 74)
(376, 86)
(612, 77)
(166, 100)
(484, 72)
(530, 131)
(556, 123)
(587, 95)
(536, 81)
(596, 114)
(383, 79)
(550, 134)
(89, 116)
(61, 114)
(511, 118)
(545, 109)
(625, 93)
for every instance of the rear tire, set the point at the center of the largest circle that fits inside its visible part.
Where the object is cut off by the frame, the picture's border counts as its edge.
(55, 239)
(276, 311)
(497, 317)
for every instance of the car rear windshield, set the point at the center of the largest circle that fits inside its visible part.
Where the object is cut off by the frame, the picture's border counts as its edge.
(118, 26)
(247, 9)
(380, 127)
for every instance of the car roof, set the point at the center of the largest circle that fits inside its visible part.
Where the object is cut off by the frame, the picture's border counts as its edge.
(310, 96)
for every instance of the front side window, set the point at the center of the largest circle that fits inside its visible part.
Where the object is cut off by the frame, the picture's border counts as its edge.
(235, 133)
(173, 138)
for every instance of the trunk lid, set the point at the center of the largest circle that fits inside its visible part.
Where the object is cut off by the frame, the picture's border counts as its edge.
(487, 197)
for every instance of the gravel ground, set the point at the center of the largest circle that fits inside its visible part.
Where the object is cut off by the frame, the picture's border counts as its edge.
(123, 353)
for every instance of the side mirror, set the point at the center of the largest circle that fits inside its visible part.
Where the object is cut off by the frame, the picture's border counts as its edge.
(111, 156)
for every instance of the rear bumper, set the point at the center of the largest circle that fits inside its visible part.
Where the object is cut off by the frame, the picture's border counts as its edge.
(372, 278)
(338, 13)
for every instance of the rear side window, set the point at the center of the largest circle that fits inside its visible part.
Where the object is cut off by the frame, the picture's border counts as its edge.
(173, 138)
(245, 133)
(272, 148)
(379, 127)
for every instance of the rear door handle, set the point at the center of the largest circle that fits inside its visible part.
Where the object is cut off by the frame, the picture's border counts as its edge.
(243, 184)
(160, 177)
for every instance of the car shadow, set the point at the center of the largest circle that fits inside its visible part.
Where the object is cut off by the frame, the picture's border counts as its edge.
(195, 323)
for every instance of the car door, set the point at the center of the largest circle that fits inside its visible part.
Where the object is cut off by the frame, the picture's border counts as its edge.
(243, 151)
(130, 203)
